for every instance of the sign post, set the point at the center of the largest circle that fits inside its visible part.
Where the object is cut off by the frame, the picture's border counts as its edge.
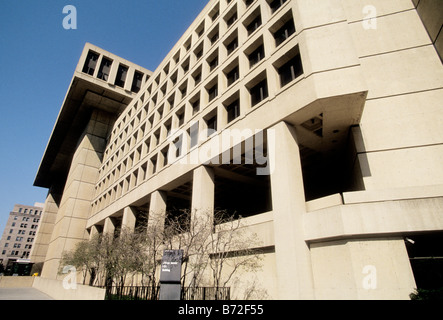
(170, 288)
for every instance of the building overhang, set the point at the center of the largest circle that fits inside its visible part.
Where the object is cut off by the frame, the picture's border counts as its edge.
(87, 91)
(82, 97)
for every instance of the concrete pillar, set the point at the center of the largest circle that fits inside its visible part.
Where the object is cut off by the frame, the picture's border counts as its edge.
(109, 227)
(157, 209)
(129, 219)
(94, 232)
(79, 190)
(293, 260)
(203, 189)
(46, 227)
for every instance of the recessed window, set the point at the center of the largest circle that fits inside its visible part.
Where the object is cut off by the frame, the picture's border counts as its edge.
(137, 82)
(231, 17)
(214, 35)
(215, 12)
(231, 46)
(185, 66)
(290, 70)
(255, 23)
(199, 51)
(213, 92)
(259, 92)
(233, 75)
(256, 56)
(284, 32)
(233, 110)
(90, 63)
(105, 69)
(195, 106)
(122, 72)
(289, 66)
(211, 124)
(276, 4)
(213, 61)
(197, 77)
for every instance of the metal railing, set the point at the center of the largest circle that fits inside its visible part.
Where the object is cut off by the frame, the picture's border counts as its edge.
(153, 293)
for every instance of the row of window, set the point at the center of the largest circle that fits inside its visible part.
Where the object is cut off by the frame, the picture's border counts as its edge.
(122, 142)
(25, 254)
(31, 211)
(18, 239)
(231, 43)
(288, 72)
(105, 69)
(232, 74)
(11, 231)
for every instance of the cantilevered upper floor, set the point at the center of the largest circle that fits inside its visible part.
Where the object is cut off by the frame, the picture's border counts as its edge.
(102, 81)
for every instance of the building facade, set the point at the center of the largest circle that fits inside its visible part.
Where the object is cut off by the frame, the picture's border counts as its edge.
(20, 232)
(320, 124)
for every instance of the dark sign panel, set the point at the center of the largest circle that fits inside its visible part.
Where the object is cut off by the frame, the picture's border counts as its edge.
(170, 275)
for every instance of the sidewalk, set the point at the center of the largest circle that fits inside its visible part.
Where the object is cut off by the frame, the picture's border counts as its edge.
(22, 294)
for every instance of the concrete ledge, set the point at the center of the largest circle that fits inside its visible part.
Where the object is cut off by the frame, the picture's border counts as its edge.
(407, 193)
(16, 282)
(54, 289)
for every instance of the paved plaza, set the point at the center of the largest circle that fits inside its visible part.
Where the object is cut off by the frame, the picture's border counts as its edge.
(22, 294)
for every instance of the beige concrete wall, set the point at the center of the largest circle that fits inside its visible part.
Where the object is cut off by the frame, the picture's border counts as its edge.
(55, 289)
(362, 269)
(16, 282)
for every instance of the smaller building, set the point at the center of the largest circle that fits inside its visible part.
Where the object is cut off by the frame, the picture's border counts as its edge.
(19, 234)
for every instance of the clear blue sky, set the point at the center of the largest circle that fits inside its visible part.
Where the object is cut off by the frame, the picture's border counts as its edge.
(37, 61)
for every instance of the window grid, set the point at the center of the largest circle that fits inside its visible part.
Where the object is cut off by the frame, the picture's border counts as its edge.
(113, 159)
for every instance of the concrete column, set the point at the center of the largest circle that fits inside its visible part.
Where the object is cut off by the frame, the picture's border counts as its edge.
(94, 232)
(46, 227)
(109, 227)
(129, 218)
(203, 188)
(79, 190)
(157, 209)
(293, 260)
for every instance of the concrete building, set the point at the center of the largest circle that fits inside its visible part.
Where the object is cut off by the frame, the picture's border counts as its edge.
(19, 234)
(335, 110)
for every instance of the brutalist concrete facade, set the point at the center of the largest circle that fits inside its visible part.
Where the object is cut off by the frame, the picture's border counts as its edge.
(345, 100)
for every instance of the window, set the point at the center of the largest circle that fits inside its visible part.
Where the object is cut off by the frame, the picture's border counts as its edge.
(197, 76)
(290, 70)
(137, 82)
(90, 64)
(214, 36)
(254, 25)
(284, 32)
(231, 46)
(233, 75)
(256, 56)
(211, 124)
(105, 69)
(195, 106)
(213, 63)
(259, 92)
(233, 110)
(276, 4)
(121, 76)
(213, 92)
